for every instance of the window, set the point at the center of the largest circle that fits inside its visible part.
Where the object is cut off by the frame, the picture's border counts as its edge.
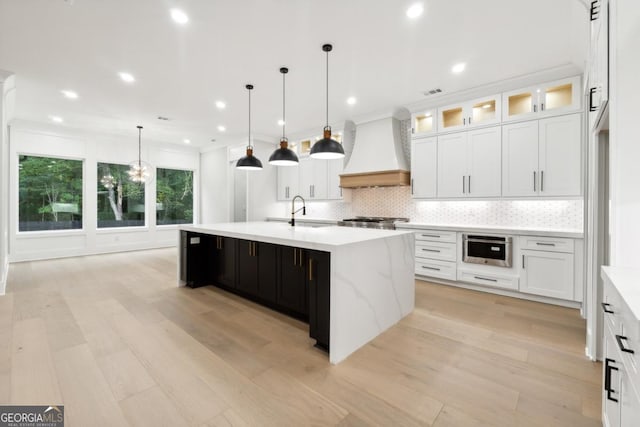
(49, 193)
(120, 201)
(174, 197)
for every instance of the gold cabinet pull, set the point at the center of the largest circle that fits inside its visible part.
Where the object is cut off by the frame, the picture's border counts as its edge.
(295, 258)
(310, 269)
(300, 252)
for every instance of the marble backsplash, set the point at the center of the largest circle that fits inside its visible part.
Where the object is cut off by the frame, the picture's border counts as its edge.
(397, 202)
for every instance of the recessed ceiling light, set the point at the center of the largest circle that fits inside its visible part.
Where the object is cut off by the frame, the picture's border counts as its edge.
(486, 106)
(427, 115)
(126, 77)
(458, 68)
(221, 105)
(56, 119)
(179, 16)
(351, 100)
(280, 122)
(415, 10)
(186, 141)
(221, 128)
(70, 94)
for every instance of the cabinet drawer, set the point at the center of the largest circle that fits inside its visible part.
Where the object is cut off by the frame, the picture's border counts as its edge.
(436, 250)
(434, 268)
(551, 244)
(506, 282)
(436, 236)
(629, 339)
(612, 308)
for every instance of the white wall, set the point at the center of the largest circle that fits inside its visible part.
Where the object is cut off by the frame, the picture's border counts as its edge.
(262, 186)
(7, 99)
(215, 194)
(624, 143)
(44, 140)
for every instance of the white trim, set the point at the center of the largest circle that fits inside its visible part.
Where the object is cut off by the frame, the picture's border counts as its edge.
(5, 275)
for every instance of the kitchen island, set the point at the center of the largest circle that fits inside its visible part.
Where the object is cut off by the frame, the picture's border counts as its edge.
(350, 284)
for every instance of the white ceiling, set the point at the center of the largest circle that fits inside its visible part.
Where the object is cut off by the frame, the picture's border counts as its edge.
(380, 56)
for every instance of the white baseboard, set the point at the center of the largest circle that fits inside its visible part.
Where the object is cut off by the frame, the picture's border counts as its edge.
(3, 276)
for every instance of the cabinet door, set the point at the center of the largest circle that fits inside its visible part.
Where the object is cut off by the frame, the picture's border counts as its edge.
(520, 159)
(424, 161)
(547, 273)
(611, 390)
(291, 286)
(559, 96)
(520, 104)
(452, 117)
(423, 123)
(224, 250)
(267, 271)
(247, 267)
(484, 111)
(484, 159)
(287, 182)
(319, 285)
(452, 165)
(334, 169)
(560, 156)
(313, 178)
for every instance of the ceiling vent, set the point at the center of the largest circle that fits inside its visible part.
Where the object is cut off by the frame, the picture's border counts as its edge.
(166, 119)
(432, 92)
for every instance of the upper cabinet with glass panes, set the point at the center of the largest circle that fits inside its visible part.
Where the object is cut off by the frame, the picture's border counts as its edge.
(469, 114)
(423, 122)
(547, 99)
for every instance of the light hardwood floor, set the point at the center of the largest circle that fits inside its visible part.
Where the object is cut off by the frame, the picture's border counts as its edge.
(113, 339)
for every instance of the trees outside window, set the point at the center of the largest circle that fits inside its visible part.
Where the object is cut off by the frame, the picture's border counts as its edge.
(174, 196)
(49, 193)
(120, 201)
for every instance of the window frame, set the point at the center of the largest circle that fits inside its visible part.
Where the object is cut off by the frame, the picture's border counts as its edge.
(155, 197)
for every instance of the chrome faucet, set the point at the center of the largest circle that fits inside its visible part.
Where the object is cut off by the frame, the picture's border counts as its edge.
(293, 211)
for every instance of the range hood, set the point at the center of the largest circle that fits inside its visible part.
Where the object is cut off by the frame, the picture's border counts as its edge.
(378, 158)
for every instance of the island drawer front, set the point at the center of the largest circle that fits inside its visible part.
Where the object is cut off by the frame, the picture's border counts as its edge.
(436, 236)
(629, 339)
(612, 303)
(551, 244)
(434, 268)
(505, 282)
(436, 250)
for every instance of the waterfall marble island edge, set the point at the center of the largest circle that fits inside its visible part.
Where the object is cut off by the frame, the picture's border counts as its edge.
(371, 274)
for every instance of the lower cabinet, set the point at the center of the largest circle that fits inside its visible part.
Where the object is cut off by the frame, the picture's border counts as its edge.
(292, 288)
(224, 266)
(257, 269)
(547, 273)
(194, 269)
(247, 267)
(319, 281)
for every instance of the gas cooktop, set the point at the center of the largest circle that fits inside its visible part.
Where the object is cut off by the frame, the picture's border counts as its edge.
(382, 223)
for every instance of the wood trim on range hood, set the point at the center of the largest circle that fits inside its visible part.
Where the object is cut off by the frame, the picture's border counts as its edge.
(375, 179)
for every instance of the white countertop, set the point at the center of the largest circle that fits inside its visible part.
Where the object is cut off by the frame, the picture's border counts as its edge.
(304, 219)
(626, 281)
(528, 231)
(321, 238)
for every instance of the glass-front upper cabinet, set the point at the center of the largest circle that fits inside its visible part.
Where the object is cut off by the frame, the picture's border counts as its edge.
(542, 100)
(423, 122)
(477, 112)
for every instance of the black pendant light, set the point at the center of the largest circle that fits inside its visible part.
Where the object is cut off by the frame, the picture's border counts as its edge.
(249, 162)
(283, 156)
(140, 171)
(327, 148)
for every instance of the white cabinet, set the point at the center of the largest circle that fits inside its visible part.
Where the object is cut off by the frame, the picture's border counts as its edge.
(621, 359)
(287, 182)
(313, 178)
(424, 161)
(436, 254)
(469, 163)
(477, 112)
(598, 68)
(423, 123)
(542, 157)
(547, 99)
(334, 169)
(547, 273)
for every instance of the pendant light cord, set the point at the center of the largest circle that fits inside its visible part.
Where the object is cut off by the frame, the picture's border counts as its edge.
(284, 123)
(327, 103)
(249, 142)
(140, 147)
